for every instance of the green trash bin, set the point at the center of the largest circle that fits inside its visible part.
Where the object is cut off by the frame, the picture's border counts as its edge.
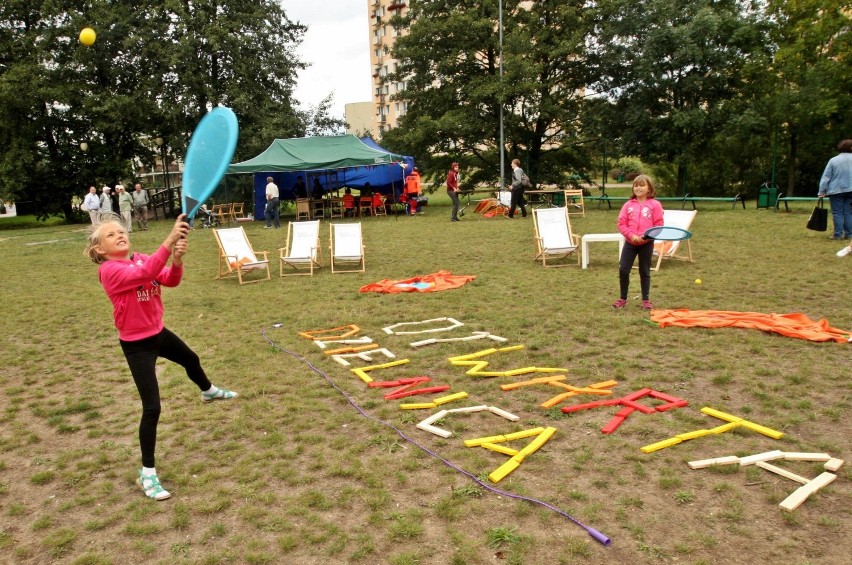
(559, 199)
(767, 196)
(773, 196)
(620, 177)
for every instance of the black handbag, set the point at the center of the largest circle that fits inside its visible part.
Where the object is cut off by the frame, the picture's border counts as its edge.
(819, 218)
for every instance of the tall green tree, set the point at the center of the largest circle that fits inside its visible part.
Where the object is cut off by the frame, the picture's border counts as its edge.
(450, 59)
(156, 68)
(806, 85)
(672, 70)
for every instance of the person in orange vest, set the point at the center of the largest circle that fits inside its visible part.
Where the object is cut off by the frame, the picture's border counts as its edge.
(412, 190)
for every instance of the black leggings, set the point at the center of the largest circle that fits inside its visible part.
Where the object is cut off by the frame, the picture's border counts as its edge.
(142, 359)
(628, 255)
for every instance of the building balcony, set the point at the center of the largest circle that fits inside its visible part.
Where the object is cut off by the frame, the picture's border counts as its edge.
(396, 6)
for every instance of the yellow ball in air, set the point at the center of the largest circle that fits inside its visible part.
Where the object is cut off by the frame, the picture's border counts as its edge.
(88, 36)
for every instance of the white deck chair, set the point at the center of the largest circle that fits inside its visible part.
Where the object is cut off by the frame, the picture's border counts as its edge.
(669, 249)
(302, 253)
(347, 248)
(553, 236)
(236, 256)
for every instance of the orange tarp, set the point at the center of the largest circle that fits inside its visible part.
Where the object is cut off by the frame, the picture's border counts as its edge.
(790, 325)
(442, 280)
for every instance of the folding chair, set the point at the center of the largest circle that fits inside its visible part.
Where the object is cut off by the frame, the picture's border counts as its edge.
(669, 249)
(303, 209)
(574, 202)
(236, 256)
(379, 209)
(365, 203)
(236, 210)
(347, 248)
(553, 237)
(303, 253)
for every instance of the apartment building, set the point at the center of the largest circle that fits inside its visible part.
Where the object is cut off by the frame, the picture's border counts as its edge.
(382, 37)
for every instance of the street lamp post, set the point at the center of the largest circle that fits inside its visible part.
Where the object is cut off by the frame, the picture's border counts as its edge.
(162, 145)
(502, 143)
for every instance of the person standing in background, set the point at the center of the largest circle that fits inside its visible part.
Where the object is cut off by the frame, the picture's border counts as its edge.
(92, 204)
(125, 206)
(106, 201)
(412, 191)
(836, 183)
(453, 190)
(140, 206)
(272, 213)
(518, 188)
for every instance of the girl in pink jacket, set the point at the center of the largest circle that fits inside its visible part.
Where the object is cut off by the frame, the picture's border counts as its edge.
(133, 282)
(637, 215)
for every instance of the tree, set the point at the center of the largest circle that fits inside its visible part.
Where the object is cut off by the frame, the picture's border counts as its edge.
(450, 58)
(806, 84)
(672, 69)
(156, 68)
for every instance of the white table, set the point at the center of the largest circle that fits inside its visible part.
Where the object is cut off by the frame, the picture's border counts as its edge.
(595, 237)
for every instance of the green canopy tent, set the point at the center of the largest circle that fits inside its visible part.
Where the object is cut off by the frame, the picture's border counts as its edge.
(315, 154)
(318, 154)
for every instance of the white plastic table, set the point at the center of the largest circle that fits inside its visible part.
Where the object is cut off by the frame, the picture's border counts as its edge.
(595, 237)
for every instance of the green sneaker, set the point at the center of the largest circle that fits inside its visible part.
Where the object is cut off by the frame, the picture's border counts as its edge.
(151, 485)
(220, 394)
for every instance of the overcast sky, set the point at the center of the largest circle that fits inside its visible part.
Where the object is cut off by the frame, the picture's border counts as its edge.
(336, 46)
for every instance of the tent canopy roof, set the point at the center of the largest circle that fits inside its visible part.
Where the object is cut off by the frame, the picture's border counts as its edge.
(314, 154)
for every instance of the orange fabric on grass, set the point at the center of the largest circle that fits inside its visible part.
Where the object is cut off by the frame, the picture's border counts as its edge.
(794, 325)
(442, 280)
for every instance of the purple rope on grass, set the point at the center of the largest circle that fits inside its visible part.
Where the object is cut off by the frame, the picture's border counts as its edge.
(598, 536)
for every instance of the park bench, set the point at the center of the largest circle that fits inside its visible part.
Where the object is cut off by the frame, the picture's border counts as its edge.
(732, 199)
(786, 199)
(682, 199)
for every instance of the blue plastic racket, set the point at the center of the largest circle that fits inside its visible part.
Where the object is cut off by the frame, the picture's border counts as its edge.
(211, 148)
(667, 233)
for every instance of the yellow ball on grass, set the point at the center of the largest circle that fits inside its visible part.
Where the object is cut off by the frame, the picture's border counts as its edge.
(697, 281)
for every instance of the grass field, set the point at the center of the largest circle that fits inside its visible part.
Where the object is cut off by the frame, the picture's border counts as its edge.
(292, 472)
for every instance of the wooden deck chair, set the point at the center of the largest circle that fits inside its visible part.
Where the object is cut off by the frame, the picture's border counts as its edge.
(302, 254)
(347, 248)
(553, 237)
(669, 249)
(236, 256)
(237, 210)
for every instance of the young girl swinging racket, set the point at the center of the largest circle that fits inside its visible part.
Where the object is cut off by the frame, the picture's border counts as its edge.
(133, 283)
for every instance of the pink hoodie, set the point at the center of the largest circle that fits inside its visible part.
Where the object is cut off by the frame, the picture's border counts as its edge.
(133, 287)
(637, 217)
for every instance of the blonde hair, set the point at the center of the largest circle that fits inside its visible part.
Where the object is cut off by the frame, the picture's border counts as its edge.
(652, 192)
(93, 237)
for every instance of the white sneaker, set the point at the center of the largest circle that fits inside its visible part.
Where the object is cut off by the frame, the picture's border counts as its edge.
(844, 252)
